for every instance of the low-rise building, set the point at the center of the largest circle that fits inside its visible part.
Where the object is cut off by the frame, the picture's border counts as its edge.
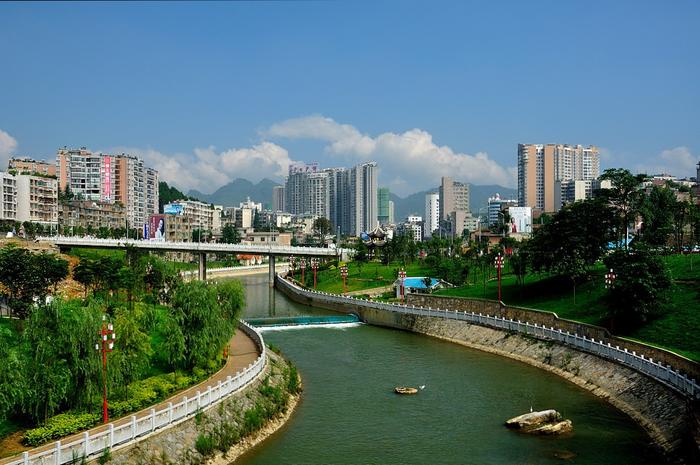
(37, 199)
(268, 238)
(27, 165)
(460, 220)
(94, 214)
(8, 201)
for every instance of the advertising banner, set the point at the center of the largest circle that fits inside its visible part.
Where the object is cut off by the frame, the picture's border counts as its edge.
(156, 227)
(173, 209)
(107, 181)
(520, 219)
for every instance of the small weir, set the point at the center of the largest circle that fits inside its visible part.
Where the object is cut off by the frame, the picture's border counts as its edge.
(284, 322)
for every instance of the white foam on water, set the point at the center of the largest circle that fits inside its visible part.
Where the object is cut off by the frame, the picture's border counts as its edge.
(340, 326)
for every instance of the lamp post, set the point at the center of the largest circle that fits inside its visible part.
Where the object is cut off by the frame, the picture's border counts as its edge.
(498, 263)
(291, 264)
(344, 274)
(402, 276)
(610, 278)
(314, 266)
(302, 265)
(106, 344)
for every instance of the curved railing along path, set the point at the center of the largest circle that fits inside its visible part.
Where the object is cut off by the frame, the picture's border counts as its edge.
(665, 374)
(247, 359)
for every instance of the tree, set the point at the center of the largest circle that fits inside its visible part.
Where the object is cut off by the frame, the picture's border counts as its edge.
(640, 289)
(26, 276)
(681, 213)
(230, 234)
(132, 357)
(658, 213)
(200, 324)
(576, 238)
(322, 227)
(62, 367)
(12, 374)
(624, 196)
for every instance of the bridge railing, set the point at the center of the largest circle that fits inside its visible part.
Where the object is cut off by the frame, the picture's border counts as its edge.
(660, 372)
(93, 444)
(192, 246)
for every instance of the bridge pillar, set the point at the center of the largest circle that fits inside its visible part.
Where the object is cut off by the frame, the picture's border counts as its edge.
(202, 266)
(272, 271)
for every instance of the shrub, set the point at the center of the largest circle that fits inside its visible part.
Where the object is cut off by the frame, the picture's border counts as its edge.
(205, 444)
(59, 426)
(293, 386)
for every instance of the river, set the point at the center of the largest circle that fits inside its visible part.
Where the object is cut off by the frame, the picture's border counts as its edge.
(350, 415)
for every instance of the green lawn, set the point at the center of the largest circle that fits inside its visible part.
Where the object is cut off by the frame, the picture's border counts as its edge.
(361, 276)
(677, 328)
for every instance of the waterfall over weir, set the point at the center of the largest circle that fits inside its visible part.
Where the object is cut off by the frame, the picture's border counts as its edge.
(304, 321)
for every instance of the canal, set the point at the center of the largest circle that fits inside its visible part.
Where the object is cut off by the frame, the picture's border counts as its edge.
(349, 414)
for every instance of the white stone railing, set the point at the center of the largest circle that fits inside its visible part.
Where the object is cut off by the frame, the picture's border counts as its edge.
(663, 373)
(93, 444)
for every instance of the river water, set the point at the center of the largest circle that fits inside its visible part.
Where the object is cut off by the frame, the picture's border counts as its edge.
(350, 415)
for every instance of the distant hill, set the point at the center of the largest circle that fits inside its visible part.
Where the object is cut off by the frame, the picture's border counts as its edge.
(478, 197)
(235, 192)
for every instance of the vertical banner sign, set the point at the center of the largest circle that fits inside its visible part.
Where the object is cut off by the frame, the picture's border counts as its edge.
(107, 180)
(156, 227)
(145, 231)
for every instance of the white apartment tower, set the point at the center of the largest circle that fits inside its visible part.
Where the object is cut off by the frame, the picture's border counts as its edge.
(8, 201)
(432, 214)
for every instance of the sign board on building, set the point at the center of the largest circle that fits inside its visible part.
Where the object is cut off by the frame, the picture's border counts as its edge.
(156, 227)
(107, 180)
(303, 168)
(520, 219)
(173, 209)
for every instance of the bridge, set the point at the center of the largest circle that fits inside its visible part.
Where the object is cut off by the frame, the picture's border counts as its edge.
(198, 248)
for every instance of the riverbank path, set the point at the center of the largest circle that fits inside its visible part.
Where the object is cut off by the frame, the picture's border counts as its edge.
(242, 352)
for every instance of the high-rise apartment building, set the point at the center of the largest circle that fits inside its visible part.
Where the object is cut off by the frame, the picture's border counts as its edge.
(347, 197)
(37, 199)
(278, 201)
(81, 171)
(392, 218)
(432, 214)
(454, 196)
(363, 198)
(110, 178)
(541, 166)
(29, 166)
(8, 201)
(383, 205)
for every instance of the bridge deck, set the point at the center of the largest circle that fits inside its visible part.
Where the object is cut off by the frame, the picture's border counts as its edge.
(193, 247)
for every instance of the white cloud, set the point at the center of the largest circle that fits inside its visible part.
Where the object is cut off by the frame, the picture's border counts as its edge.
(206, 169)
(8, 144)
(413, 160)
(677, 161)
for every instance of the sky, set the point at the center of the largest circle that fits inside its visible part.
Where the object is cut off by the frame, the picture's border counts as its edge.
(210, 91)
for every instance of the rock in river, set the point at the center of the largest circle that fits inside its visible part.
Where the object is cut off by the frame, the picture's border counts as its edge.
(544, 422)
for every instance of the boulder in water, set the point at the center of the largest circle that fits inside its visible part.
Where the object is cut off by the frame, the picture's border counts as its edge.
(544, 422)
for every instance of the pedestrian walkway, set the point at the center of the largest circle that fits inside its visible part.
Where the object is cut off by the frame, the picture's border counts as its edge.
(242, 352)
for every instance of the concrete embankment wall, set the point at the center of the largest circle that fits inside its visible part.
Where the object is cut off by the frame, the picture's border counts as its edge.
(550, 319)
(661, 411)
(177, 444)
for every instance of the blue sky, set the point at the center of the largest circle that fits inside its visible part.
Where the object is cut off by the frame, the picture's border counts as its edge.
(207, 92)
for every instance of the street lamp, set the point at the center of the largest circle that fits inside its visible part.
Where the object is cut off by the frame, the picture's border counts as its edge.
(291, 264)
(106, 344)
(402, 276)
(314, 266)
(344, 274)
(610, 278)
(498, 263)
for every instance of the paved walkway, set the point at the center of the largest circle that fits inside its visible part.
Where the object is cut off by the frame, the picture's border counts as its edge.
(242, 352)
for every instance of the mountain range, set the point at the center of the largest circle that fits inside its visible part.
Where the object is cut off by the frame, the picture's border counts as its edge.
(239, 189)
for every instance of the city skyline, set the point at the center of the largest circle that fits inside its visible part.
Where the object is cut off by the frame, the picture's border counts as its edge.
(203, 109)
